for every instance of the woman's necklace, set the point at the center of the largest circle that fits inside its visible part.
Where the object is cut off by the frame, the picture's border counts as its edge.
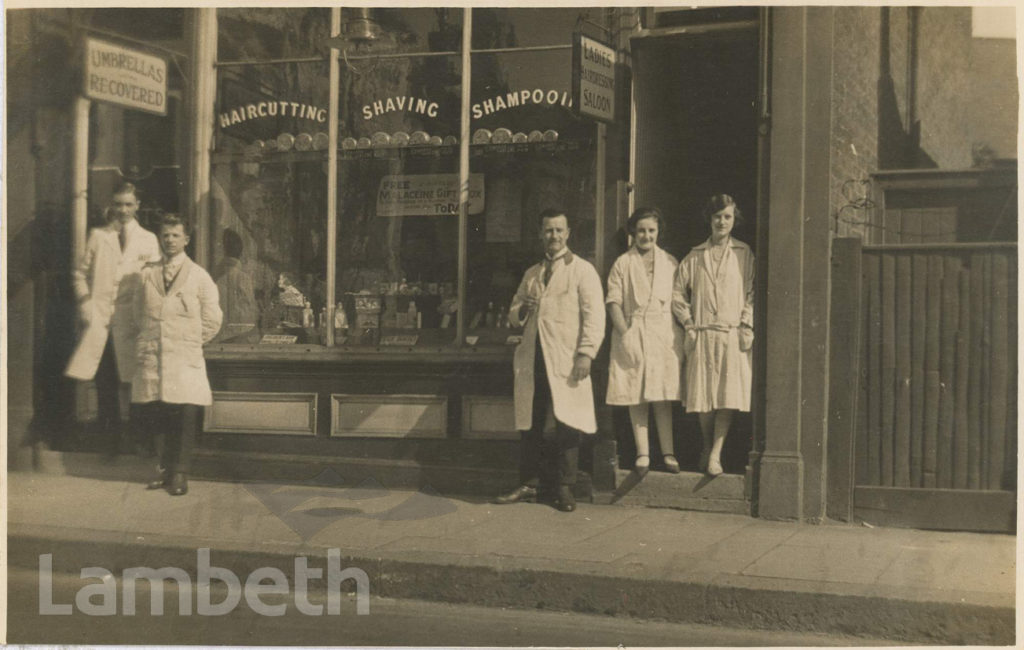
(718, 254)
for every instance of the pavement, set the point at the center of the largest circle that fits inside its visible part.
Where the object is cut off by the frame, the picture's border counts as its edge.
(647, 563)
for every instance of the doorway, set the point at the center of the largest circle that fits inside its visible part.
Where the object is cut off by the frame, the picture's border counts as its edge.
(696, 134)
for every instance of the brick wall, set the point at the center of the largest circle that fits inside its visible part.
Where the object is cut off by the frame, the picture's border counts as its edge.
(966, 94)
(943, 84)
(854, 130)
(993, 95)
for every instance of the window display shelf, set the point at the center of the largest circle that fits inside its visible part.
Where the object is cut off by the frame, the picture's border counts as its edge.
(281, 157)
(538, 149)
(475, 150)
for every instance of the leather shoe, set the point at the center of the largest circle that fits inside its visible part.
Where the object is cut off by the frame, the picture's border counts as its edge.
(521, 493)
(642, 466)
(671, 464)
(714, 467)
(159, 482)
(566, 501)
(178, 485)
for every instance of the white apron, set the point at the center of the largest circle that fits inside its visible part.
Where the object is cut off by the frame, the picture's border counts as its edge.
(174, 325)
(646, 362)
(569, 320)
(106, 281)
(716, 299)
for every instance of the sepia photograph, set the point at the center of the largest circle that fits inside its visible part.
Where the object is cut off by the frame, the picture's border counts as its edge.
(569, 325)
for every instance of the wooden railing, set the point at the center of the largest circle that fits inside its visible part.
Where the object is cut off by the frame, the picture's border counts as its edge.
(937, 345)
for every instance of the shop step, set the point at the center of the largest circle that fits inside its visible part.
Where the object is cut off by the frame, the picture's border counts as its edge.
(685, 491)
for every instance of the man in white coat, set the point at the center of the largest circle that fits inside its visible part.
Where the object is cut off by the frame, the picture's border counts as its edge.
(104, 283)
(177, 311)
(560, 305)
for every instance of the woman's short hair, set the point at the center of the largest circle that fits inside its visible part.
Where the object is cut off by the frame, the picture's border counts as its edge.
(720, 202)
(170, 220)
(127, 188)
(645, 213)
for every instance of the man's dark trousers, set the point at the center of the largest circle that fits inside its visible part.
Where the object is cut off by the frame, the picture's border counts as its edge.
(108, 403)
(178, 424)
(108, 406)
(561, 448)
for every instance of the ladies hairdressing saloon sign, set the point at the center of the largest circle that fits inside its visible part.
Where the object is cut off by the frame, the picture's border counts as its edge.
(593, 78)
(126, 77)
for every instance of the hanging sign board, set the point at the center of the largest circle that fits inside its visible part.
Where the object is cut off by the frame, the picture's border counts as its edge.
(417, 195)
(593, 78)
(125, 77)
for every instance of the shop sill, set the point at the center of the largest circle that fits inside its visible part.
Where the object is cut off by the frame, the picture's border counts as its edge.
(341, 354)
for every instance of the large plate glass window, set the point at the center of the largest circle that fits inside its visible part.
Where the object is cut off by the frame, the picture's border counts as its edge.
(268, 186)
(531, 152)
(398, 128)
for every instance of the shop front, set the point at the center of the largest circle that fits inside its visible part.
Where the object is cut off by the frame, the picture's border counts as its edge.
(367, 217)
(365, 186)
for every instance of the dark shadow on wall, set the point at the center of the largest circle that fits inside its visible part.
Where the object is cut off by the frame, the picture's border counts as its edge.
(48, 243)
(899, 139)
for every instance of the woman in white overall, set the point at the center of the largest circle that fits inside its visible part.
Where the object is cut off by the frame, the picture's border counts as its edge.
(647, 344)
(714, 300)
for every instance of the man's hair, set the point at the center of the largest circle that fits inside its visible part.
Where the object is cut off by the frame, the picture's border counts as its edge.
(550, 213)
(232, 243)
(127, 188)
(170, 220)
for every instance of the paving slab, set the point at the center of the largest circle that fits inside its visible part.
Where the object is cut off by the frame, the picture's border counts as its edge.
(915, 586)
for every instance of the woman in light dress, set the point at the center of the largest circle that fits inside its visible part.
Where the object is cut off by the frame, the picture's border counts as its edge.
(647, 344)
(713, 300)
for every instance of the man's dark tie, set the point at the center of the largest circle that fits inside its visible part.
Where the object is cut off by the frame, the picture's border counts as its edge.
(123, 238)
(549, 265)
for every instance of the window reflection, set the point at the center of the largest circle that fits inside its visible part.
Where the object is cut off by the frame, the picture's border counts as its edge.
(549, 163)
(268, 195)
(258, 34)
(495, 27)
(399, 120)
(397, 232)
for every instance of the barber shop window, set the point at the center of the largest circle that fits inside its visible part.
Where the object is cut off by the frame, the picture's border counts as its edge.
(399, 120)
(398, 128)
(530, 153)
(268, 183)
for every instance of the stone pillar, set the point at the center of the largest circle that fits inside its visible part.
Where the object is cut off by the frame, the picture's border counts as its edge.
(792, 472)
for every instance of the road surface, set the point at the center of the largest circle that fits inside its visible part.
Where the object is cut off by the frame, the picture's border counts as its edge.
(390, 622)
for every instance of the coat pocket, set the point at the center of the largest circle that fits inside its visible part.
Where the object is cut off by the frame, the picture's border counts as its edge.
(746, 338)
(632, 347)
(689, 342)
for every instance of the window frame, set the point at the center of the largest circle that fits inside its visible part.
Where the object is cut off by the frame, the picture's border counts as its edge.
(459, 346)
